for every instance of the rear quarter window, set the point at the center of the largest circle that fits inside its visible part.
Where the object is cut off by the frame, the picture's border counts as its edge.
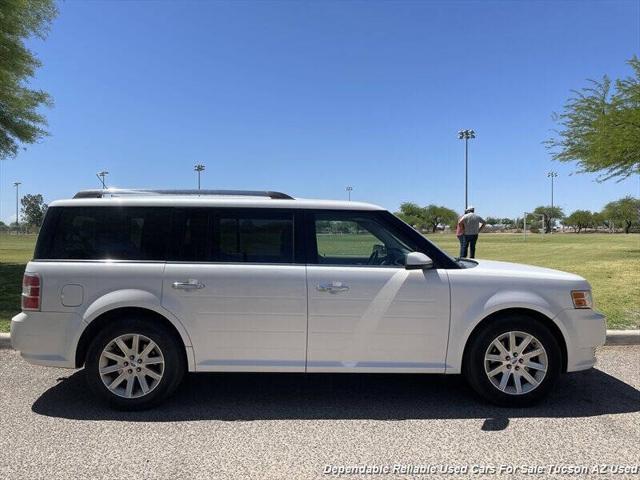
(104, 233)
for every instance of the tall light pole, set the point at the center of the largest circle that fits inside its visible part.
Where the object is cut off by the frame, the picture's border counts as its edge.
(17, 185)
(349, 189)
(199, 168)
(101, 176)
(466, 135)
(551, 175)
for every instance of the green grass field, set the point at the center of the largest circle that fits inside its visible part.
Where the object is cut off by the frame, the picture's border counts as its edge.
(611, 263)
(15, 252)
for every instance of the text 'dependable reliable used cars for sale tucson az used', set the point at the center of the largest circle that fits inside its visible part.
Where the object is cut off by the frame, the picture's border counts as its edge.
(140, 287)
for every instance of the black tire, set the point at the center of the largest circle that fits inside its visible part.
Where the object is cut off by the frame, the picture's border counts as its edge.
(475, 370)
(173, 370)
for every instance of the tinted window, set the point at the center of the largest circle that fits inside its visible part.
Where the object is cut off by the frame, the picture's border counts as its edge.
(262, 237)
(101, 233)
(357, 239)
(232, 236)
(191, 235)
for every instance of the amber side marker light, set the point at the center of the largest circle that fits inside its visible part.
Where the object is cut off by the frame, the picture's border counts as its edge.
(581, 299)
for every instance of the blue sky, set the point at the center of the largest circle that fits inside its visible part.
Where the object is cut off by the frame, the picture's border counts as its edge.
(308, 97)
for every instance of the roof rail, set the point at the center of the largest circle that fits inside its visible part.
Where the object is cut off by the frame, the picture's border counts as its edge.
(117, 192)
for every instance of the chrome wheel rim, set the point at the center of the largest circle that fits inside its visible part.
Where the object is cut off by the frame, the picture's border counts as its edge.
(516, 363)
(131, 365)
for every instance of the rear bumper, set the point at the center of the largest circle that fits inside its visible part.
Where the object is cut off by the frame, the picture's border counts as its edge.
(45, 338)
(584, 330)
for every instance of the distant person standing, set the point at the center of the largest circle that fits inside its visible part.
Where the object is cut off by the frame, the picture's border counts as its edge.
(460, 233)
(472, 225)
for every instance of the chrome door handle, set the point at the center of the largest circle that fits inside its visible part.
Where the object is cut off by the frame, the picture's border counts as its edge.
(333, 287)
(190, 284)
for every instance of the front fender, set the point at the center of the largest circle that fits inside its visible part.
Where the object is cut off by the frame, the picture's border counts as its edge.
(466, 317)
(515, 299)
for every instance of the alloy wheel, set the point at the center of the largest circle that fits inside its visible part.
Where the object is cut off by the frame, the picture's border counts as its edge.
(516, 362)
(131, 365)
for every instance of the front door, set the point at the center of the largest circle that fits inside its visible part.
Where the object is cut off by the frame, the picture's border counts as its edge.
(235, 284)
(366, 311)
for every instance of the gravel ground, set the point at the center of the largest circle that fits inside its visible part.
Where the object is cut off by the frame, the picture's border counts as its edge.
(292, 426)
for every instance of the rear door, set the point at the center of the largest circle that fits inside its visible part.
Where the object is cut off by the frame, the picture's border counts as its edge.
(366, 311)
(237, 281)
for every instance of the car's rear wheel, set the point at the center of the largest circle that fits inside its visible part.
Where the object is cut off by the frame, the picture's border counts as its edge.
(134, 364)
(513, 361)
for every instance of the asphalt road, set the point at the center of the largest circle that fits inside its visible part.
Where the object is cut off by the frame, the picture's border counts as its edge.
(292, 426)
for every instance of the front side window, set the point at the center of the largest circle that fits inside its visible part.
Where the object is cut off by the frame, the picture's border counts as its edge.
(357, 239)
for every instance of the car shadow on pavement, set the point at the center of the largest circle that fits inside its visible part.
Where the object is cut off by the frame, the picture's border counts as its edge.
(268, 396)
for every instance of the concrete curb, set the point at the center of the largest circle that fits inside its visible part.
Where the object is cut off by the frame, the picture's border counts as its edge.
(614, 337)
(623, 337)
(5, 340)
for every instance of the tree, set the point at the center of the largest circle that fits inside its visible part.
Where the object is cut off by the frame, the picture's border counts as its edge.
(600, 128)
(550, 215)
(508, 222)
(20, 121)
(625, 211)
(412, 214)
(599, 220)
(435, 216)
(579, 219)
(33, 209)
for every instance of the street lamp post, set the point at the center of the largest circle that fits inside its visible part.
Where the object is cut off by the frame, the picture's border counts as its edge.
(349, 189)
(17, 185)
(199, 168)
(466, 135)
(101, 175)
(551, 175)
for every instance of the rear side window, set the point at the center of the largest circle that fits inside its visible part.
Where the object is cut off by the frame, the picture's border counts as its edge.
(257, 238)
(191, 235)
(232, 235)
(104, 233)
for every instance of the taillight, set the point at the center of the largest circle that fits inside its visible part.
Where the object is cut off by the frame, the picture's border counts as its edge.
(31, 291)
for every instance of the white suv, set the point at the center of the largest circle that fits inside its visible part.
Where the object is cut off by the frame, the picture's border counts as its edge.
(141, 286)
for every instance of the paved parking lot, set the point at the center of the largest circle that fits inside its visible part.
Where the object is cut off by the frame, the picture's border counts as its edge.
(292, 426)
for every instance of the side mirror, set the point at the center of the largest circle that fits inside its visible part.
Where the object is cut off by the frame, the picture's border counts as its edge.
(417, 261)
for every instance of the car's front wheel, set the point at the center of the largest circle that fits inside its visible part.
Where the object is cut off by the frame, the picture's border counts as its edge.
(513, 361)
(134, 364)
